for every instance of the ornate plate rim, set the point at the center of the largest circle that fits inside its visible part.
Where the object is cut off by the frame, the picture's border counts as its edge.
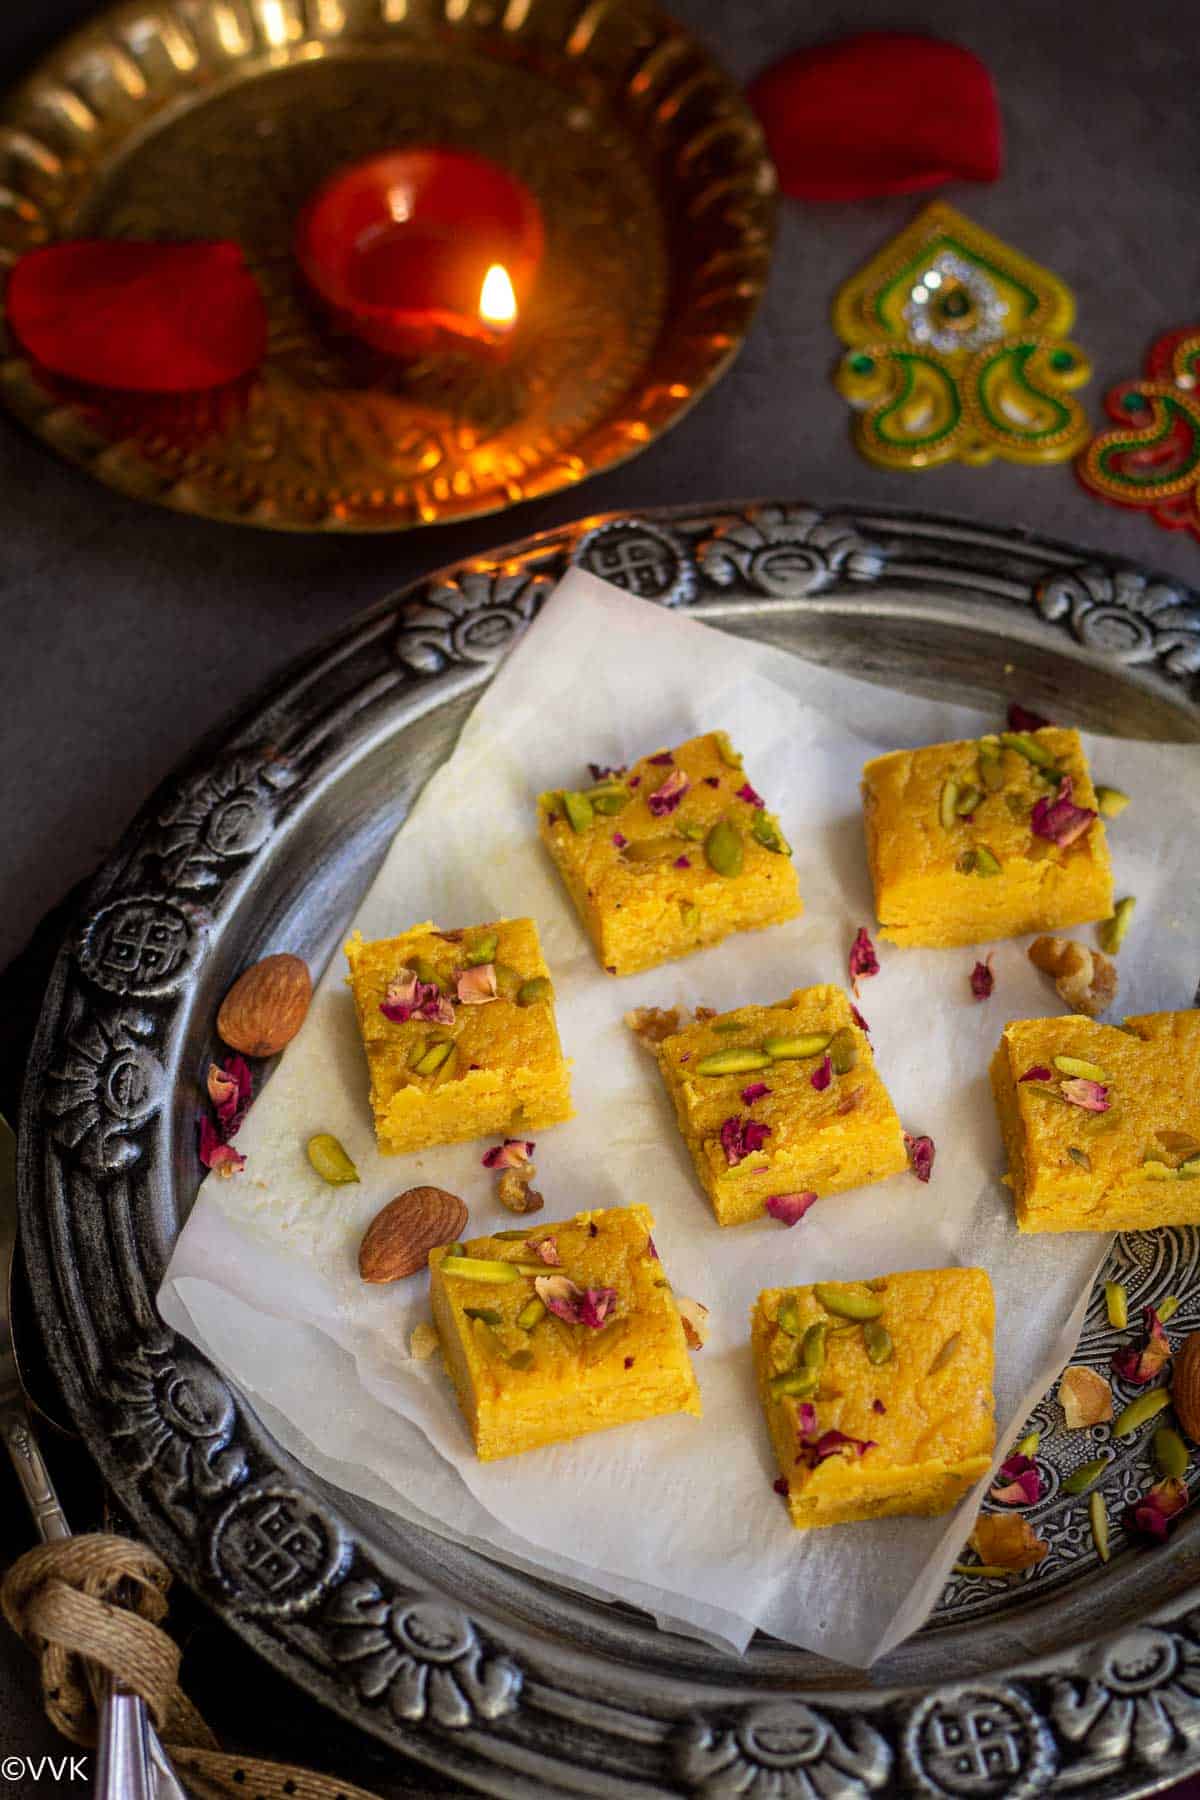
(381, 1635)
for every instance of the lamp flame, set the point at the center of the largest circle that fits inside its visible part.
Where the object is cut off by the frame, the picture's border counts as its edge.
(497, 302)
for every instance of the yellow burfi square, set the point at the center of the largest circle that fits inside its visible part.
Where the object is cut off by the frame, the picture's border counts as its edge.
(670, 855)
(926, 1411)
(547, 1378)
(477, 1069)
(1131, 1167)
(952, 849)
(761, 1127)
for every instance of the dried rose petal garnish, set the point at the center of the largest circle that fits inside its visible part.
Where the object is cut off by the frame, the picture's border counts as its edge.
(511, 1154)
(408, 997)
(1022, 1482)
(652, 1250)
(547, 1249)
(682, 862)
(878, 1406)
(982, 979)
(217, 1155)
(1092, 1096)
(863, 960)
(789, 1209)
(822, 1075)
(478, 985)
(740, 1138)
(1138, 1366)
(757, 1090)
(921, 1152)
(666, 798)
(830, 1443)
(1060, 819)
(1007, 1541)
(619, 839)
(664, 756)
(1151, 1516)
(713, 781)
(230, 1089)
(747, 793)
(859, 1020)
(1021, 719)
(578, 1306)
(780, 1484)
(1038, 1072)
(598, 772)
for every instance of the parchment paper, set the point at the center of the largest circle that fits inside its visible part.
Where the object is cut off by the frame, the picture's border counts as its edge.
(676, 1515)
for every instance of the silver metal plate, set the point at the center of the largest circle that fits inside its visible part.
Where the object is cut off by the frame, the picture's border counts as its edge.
(266, 839)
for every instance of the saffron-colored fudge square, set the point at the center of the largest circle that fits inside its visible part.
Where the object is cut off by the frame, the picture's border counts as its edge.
(459, 1033)
(526, 1376)
(670, 855)
(781, 1099)
(891, 1413)
(1101, 1125)
(956, 844)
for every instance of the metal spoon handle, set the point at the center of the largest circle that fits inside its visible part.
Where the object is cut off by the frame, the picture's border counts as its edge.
(33, 1475)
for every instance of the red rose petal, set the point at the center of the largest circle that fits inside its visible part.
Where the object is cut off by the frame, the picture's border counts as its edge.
(879, 112)
(150, 318)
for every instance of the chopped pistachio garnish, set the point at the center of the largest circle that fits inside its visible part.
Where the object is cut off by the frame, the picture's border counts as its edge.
(483, 950)
(1116, 1302)
(788, 1317)
(812, 1349)
(535, 989)
(968, 799)
(486, 1313)
(847, 1302)
(1166, 1309)
(1086, 1475)
(434, 1058)
(843, 1051)
(608, 797)
(725, 849)
(1098, 1518)
(1028, 747)
(736, 1060)
(1113, 932)
(764, 831)
(1146, 1406)
(478, 1268)
(579, 810)
(1079, 1156)
(1170, 1451)
(985, 1571)
(531, 1314)
(725, 750)
(1111, 802)
(1028, 1445)
(785, 1046)
(330, 1160)
(986, 861)
(1075, 1065)
(797, 1382)
(948, 805)
(878, 1341)
(991, 764)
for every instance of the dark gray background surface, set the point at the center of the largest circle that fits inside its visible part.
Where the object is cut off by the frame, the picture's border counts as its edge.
(128, 632)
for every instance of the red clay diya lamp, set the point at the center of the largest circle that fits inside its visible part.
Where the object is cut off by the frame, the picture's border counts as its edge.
(423, 250)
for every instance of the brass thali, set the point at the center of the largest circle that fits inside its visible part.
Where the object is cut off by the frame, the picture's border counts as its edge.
(218, 118)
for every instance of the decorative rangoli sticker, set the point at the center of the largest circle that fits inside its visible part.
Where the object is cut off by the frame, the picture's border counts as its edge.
(1151, 460)
(957, 351)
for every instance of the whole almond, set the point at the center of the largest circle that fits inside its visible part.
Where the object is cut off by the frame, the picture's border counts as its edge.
(1185, 1386)
(266, 1006)
(398, 1239)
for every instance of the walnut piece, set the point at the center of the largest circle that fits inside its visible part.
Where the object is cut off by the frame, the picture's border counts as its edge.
(423, 1343)
(651, 1024)
(1086, 979)
(1007, 1541)
(1085, 1397)
(517, 1192)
